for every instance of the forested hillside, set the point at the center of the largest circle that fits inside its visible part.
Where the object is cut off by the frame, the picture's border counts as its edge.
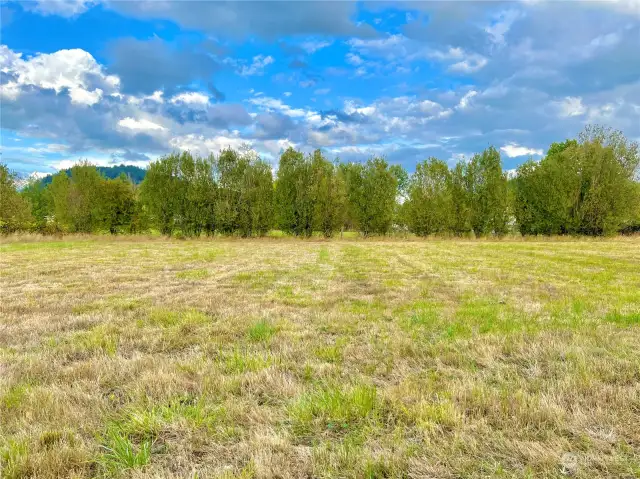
(134, 173)
(583, 186)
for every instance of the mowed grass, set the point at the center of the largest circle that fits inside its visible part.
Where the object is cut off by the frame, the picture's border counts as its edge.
(285, 358)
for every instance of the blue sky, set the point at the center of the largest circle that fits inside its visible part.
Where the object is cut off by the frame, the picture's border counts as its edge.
(125, 82)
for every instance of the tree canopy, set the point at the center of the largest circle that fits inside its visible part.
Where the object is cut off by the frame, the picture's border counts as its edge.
(587, 186)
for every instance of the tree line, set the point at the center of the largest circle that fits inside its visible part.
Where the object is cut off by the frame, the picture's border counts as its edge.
(589, 186)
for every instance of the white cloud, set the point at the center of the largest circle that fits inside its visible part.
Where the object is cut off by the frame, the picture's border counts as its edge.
(10, 90)
(389, 47)
(85, 97)
(95, 159)
(397, 48)
(471, 64)
(570, 106)
(273, 104)
(74, 70)
(314, 46)
(322, 91)
(36, 175)
(353, 59)
(63, 8)
(513, 151)
(350, 108)
(202, 145)
(140, 125)
(157, 96)
(257, 66)
(464, 101)
(272, 148)
(191, 98)
(47, 148)
(511, 173)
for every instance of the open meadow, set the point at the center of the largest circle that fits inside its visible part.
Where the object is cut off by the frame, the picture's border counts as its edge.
(155, 358)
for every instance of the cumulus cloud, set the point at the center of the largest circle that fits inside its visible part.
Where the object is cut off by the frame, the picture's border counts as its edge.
(74, 71)
(203, 145)
(514, 151)
(473, 74)
(140, 125)
(193, 98)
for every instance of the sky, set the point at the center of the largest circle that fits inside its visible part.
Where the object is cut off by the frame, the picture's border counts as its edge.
(128, 81)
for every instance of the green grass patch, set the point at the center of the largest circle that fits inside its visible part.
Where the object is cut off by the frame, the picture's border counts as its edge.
(259, 280)
(334, 410)
(240, 361)
(261, 331)
(13, 397)
(120, 453)
(623, 319)
(167, 318)
(193, 274)
(323, 255)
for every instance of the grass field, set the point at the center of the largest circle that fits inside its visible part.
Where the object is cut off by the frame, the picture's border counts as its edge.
(286, 358)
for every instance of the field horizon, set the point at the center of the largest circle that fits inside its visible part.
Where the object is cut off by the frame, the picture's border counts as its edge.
(358, 357)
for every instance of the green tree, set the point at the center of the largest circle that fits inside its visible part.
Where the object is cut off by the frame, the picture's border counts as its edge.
(327, 194)
(196, 208)
(161, 192)
(85, 199)
(604, 199)
(15, 211)
(430, 205)
(579, 187)
(230, 169)
(58, 198)
(487, 193)
(625, 152)
(293, 196)
(460, 204)
(351, 175)
(371, 192)
(544, 193)
(119, 204)
(37, 195)
(285, 190)
(256, 197)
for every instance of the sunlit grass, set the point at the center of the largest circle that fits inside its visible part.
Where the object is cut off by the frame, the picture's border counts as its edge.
(280, 358)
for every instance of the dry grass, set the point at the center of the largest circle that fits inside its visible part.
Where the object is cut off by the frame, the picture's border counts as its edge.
(277, 358)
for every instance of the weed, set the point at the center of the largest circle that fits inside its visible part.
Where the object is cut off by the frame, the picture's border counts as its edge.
(261, 331)
(120, 453)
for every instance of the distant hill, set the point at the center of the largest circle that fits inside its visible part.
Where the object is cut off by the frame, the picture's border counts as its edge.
(135, 173)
